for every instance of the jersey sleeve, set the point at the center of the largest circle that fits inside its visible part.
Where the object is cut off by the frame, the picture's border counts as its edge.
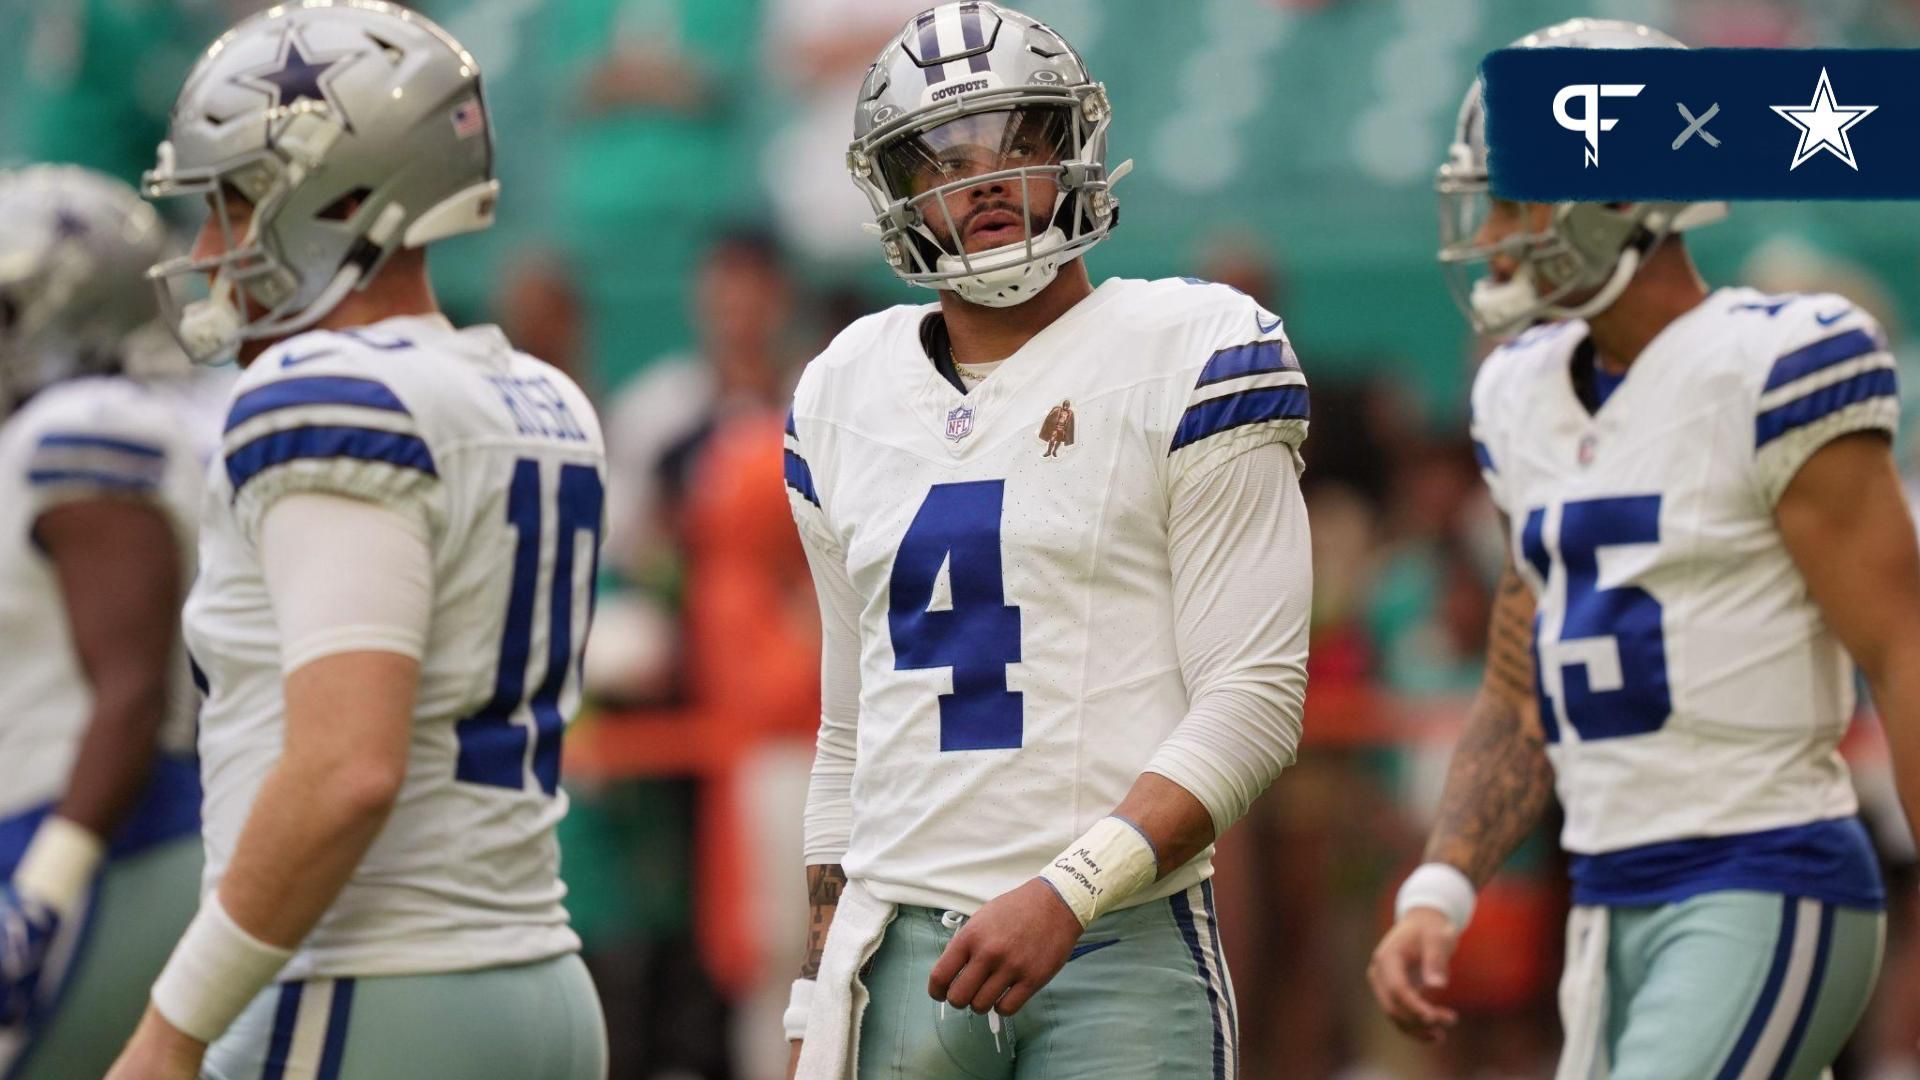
(802, 494)
(828, 818)
(86, 445)
(1484, 413)
(1827, 374)
(331, 424)
(1246, 389)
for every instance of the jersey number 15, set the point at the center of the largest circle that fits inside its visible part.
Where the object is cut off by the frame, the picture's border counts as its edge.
(1611, 652)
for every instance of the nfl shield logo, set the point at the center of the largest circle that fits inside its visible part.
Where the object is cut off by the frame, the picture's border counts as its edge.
(959, 422)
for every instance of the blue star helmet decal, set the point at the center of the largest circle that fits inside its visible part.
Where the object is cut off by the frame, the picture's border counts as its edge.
(294, 77)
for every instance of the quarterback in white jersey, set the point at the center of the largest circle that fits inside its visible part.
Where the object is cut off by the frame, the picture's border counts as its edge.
(398, 550)
(1062, 564)
(99, 497)
(1704, 522)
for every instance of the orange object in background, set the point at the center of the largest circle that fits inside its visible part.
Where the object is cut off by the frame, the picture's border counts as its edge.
(751, 636)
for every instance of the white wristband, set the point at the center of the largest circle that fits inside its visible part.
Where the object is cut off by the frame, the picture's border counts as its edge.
(214, 972)
(58, 865)
(1099, 871)
(1439, 886)
(799, 1007)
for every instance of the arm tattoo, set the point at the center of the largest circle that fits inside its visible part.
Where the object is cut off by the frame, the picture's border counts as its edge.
(824, 885)
(1500, 778)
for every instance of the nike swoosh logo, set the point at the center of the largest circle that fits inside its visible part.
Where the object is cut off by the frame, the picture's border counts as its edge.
(291, 360)
(1829, 320)
(1086, 947)
(1266, 327)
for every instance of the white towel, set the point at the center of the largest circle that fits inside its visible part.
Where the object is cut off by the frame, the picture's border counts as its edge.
(831, 1049)
(1583, 996)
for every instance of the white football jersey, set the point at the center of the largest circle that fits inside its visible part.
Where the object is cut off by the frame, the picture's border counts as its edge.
(82, 439)
(501, 456)
(1691, 692)
(1009, 550)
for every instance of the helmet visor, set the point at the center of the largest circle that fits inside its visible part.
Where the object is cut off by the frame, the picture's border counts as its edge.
(976, 145)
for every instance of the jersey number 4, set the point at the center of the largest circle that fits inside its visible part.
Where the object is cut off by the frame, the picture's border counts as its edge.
(1611, 652)
(977, 633)
(493, 748)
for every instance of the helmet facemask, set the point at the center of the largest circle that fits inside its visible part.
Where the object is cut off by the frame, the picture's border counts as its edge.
(249, 288)
(999, 155)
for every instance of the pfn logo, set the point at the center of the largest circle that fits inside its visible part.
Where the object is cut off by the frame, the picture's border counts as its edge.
(1589, 122)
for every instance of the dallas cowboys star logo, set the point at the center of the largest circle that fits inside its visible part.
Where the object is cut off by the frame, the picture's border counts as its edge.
(294, 77)
(1823, 125)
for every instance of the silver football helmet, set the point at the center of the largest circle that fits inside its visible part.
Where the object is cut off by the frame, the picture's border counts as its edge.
(1581, 262)
(353, 128)
(977, 99)
(74, 250)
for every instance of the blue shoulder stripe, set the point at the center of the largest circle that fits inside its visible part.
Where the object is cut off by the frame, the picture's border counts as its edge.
(800, 477)
(791, 430)
(1253, 358)
(314, 390)
(72, 440)
(1822, 354)
(92, 477)
(320, 443)
(1485, 458)
(1801, 411)
(1238, 410)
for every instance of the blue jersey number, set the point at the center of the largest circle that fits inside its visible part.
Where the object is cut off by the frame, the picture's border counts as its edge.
(493, 749)
(1627, 617)
(978, 635)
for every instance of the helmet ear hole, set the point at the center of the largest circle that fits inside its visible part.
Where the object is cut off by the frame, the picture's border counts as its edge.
(344, 207)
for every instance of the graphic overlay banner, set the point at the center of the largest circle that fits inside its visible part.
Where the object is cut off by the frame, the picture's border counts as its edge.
(1694, 124)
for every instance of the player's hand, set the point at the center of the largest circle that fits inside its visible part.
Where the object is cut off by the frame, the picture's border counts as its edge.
(159, 1051)
(27, 928)
(1010, 949)
(1409, 965)
(793, 1058)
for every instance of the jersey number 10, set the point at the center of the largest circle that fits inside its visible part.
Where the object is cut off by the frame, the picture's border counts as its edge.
(1611, 653)
(493, 749)
(978, 633)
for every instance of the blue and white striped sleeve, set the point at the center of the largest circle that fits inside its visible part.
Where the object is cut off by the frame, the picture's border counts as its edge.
(73, 461)
(802, 493)
(1840, 382)
(335, 433)
(1245, 395)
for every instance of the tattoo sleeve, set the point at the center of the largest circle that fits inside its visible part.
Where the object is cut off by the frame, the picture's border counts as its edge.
(825, 882)
(1500, 779)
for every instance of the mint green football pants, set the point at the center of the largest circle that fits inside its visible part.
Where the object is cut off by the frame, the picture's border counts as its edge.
(537, 1021)
(1145, 997)
(118, 946)
(1736, 984)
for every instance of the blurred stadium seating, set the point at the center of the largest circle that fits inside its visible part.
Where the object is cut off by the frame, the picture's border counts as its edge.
(1284, 145)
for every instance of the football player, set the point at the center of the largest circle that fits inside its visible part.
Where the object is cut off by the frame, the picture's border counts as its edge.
(1705, 523)
(397, 547)
(99, 495)
(1061, 557)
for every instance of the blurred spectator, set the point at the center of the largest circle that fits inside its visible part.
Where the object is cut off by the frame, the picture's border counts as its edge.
(649, 158)
(539, 309)
(743, 302)
(1231, 259)
(819, 50)
(99, 76)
